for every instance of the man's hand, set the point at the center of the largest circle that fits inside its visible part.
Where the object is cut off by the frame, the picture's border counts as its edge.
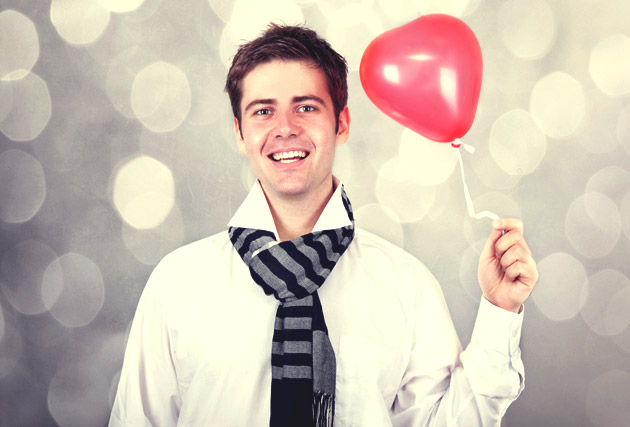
(507, 272)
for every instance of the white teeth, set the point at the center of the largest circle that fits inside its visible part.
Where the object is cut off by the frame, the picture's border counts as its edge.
(293, 155)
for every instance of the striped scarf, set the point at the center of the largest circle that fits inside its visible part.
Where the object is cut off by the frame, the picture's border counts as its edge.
(302, 358)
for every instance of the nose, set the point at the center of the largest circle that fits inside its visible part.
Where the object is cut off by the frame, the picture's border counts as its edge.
(286, 125)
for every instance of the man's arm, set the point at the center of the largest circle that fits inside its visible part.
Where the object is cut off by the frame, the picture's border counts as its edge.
(443, 385)
(147, 391)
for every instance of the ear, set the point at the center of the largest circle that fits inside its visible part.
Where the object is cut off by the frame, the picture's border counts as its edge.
(344, 126)
(240, 142)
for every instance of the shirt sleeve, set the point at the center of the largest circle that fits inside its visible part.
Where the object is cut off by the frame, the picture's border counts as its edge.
(445, 386)
(147, 392)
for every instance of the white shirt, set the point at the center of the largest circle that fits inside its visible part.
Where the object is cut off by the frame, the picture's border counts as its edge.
(199, 350)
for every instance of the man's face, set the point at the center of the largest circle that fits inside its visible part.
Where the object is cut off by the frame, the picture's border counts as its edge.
(288, 128)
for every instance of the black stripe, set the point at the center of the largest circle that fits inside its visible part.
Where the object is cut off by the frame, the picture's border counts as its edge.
(304, 261)
(320, 248)
(278, 336)
(297, 311)
(347, 205)
(296, 335)
(337, 247)
(292, 359)
(282, 273)
(235, 233)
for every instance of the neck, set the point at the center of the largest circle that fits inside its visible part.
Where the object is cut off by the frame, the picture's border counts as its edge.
(295, 216)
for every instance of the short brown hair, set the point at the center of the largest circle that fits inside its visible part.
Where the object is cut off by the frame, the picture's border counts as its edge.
(295, 43)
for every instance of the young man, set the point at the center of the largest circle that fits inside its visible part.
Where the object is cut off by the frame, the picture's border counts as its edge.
(294, 316)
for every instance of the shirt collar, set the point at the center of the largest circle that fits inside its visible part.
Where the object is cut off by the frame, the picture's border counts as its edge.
(254, 212)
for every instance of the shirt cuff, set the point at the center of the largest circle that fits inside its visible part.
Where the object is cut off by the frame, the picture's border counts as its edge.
(497, 329)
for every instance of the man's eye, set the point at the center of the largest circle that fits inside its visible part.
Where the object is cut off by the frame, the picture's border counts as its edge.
(306, 108)
(263, 112)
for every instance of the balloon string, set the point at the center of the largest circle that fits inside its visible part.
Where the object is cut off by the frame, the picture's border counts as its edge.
(469, 204)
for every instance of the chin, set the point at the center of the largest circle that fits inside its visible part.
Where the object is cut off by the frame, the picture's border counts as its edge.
(291, 190)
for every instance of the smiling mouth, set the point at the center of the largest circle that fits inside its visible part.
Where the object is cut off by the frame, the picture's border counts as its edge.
(289, 156)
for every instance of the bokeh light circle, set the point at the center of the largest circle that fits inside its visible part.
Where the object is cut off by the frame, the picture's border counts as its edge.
(608, 399)
(382, 221)
(121, 73)
(343, 166)
(557, 104)
(612, 181)
(593, 225)
(396, 190)
(606, 307)
(121, 6)
(559, 293)
(622, 128)
(457, 8)
(399, 10)
(597, 133)
(22, 186)
(144, 192)
(6, 94)
(206, 76)
(160, 97)
(609, 65)
(516, 143)
(350, 30)
(78, 396)
(489, 172)
(73, 290)
(222, 8)
(30, 110)
(19, 45)
(528, 29)
(79, 21)
(21, 272)
(250, 18)
(424, 161)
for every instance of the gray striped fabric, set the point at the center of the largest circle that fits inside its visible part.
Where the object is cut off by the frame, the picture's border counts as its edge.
(302, 359)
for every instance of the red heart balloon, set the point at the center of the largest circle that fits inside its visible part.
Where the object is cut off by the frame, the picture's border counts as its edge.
(426, 75)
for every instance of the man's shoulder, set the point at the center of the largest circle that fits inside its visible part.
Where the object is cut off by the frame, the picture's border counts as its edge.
(202, 251)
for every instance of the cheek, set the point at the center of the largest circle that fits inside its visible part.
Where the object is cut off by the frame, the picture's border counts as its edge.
(255, 132)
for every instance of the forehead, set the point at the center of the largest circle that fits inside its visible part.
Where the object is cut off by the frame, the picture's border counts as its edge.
(279, 79)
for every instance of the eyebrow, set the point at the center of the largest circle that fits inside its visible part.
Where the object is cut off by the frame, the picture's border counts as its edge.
(295, 100)
(317, 99)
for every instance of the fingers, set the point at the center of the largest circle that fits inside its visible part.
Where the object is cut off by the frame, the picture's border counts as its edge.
(513, 239)
(516, 260)
(501, 229)
(508, 224)
(507, 244)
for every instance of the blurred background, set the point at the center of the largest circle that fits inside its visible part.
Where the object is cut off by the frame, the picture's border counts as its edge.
(116, 147)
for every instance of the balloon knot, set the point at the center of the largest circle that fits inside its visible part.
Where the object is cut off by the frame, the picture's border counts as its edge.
(456, 143)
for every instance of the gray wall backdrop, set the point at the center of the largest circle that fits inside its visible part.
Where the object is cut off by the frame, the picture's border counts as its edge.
(116, 147)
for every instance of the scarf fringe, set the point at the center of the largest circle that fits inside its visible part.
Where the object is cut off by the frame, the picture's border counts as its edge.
(323, 409)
